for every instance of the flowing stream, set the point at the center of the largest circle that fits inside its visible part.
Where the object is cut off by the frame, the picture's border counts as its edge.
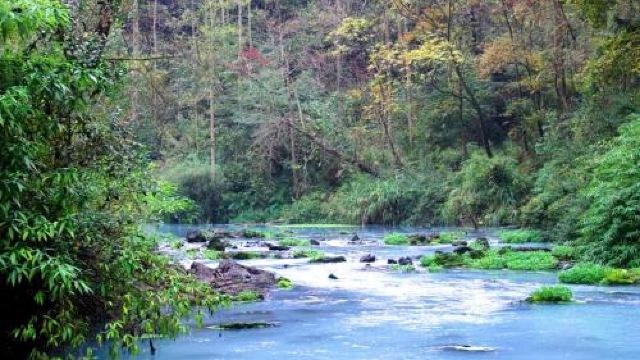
(370, 312)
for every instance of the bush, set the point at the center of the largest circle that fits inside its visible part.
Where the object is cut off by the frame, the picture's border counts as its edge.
(284, 283)
(294, 242)
(520, 236)
(584, 273)
(554, 294)
(396, 239)
(248, 296)
(611, 230)
(563, 252)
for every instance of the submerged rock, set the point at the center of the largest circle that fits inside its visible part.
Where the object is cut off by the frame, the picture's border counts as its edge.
(468, 348)
(244, 326)
(217, 244)
(232, 278)
(329, 259)
(368, 258)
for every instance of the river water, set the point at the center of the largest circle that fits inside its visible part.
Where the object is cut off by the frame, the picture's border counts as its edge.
(373, 313)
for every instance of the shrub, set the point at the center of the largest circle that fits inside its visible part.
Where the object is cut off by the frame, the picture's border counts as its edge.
(396, 239)
(610, 231)
(563, 252)
(284, 283)
(294, 242)
(584, 273)
(554, 294)
(308, 253)
(402, 268)
(448, 237)
(520, 236)
(248, 296)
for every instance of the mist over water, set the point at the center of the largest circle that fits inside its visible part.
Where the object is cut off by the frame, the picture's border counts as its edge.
(370, 312)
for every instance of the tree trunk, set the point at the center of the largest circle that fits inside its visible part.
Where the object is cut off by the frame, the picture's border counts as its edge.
(478, 108)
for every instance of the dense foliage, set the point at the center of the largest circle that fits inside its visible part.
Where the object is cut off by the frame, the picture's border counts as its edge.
(74, 188)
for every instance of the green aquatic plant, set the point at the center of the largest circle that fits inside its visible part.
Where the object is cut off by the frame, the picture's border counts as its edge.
(396, 239)
(294, 242)
(284, 283)
(442, 260)
(402, 268)
(520, 236)
(513, 260)
(246, 255)
(551, 294)
(177, 244)
(447, 237)
(308, 253)
(213, 254)
(318, 226)
(621, 277)
(584, 273)
(248, 296)
(192, 253)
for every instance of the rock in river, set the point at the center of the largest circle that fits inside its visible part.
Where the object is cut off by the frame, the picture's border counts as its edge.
(329, 259)
(333, 277)
(405, 261)
(232, 278)
(368, 258)
(196, 236)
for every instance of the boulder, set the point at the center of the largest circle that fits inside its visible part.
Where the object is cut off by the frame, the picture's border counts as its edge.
(564, 265)
(483, 242)
(459, 243)
(314, 242)
(460, 250)
(391, 261)
(329, 260)
(278, 248)
(405, 261)
(196, 236)
(232, 278)
(216, 244)
(368, 258)
(333, 277)
(355, 238)
(419, 239)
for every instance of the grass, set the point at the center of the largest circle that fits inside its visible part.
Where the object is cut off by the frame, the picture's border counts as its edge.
(588, 273)
(284, 283)
(551, 294)
(563, 252)
(403, 268)
(191, 253)
(177, 244)
(212, 254)
(396, 239)
(520, 236)
(294, 242)
(308, 253)
(248, 296)
(448, 237)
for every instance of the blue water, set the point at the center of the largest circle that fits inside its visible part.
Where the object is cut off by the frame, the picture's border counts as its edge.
(372, 313)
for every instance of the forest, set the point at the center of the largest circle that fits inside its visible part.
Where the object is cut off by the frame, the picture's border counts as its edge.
(400, 113)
